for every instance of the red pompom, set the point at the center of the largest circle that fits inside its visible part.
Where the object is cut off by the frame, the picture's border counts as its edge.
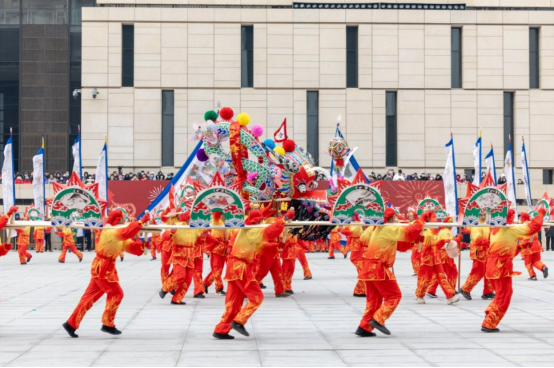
(289, 145)
(226, 113)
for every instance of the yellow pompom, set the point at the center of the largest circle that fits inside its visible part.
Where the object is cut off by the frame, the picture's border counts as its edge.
(243, 119)
(280, 150)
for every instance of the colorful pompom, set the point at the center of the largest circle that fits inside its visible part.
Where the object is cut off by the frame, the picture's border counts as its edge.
(289, 145)
(251, 176)
(269, 143)
(243, 119)
(210, 115)
(226, 113)
(201, 155)
(257, 130)
(280, 150)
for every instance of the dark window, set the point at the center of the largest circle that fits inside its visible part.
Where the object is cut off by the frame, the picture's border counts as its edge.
(128, 56)
(9, 90)
(312, 129)
(247, 57)
(168, 127)
(75, 36)
(391, 129)
(76, 6)
(9, 12)
(351, 57)
(508, 119)
(44, 12)
(533, 58)
(547, 177)
(456, 57)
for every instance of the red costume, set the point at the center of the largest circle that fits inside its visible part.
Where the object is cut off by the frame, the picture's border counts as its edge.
(478, 249)
(499, 268)
(288, 255)
(38, 235)
(23, 236)
(441, 257)
(353, 235)
(271, 263)
(104, 278)
(301, 249)
(531, 250)
(166, 248)
(217, 255)
(68, 242)
(334, 243)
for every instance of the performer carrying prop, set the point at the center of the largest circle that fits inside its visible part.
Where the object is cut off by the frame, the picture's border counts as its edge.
(531, 251)
(104, 278)
(6, 247)
(68, 243)
(499, 268)
(240, 276)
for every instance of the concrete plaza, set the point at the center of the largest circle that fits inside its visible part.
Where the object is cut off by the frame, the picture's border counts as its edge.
(315, 327)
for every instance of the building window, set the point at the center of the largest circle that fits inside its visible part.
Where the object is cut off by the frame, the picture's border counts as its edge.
(456, 57)
(9, 12)
(533, 58)
(128, 56)
(312, 110)
(351, 57)
(44, 12)
(168, 127)
(547, 177)
(391, 129)
(508, 119)
(247, 57)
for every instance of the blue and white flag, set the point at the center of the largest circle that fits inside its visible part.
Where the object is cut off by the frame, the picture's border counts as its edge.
(102, 173)
(351, 166)
(510, 177)
(477, 161)
(8, 179)
(525, 169)
(491, 166)
(77, 161)
(179, 179)
(38, 181)
(450, 182)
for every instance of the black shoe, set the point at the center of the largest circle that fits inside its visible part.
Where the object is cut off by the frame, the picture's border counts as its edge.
(433, 296)
(363, 333)
(70, 330)
(359, 296)
(153, 259)
(310, 277)
(220, 292)
(289, 292)
(415, 274)
(484, 329)
(80, 259)
(175, 303)
(533, 278)
(465, 295)
(223, 336)
(162, 293)
(239, 328)
(545, 272)
(487, 296)
(58, 261)
(121, 259)
(205, 289)
(199, 296)
(29, 259)
(262, 286)
(172, 292)
(346, 255)
(330, 257)
(110, 330)
(24, 264)
(373, 323)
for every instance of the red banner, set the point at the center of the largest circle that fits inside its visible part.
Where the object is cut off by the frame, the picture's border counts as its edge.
(404, 194)
(134, 195)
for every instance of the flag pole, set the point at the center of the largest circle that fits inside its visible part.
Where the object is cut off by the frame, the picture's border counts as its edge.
(80, 150)
(43, 179)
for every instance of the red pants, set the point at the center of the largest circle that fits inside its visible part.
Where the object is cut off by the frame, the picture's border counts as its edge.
(217, 262)
(416, 256)
(23, 254)
(165, 265)
(153, 250)
(39, 245)
(475, 275)
(301, 256)
(96, 288)
(499, 305)
(382, 298)
(337, 246)
(269, 264)
(288, 272)
(359, 289)
(234, 311)
(425, 278)
(533, 260)
(179, 280)
(451, 275)
(73, 249)
(197, 276)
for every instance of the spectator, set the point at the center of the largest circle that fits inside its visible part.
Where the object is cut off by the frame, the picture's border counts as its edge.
(502, 179)
(438, 177)
(88, 239)
(48, 238)
(519, 182)
(399, 176)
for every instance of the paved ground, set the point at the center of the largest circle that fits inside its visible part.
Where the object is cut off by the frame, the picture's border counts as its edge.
(315, 327)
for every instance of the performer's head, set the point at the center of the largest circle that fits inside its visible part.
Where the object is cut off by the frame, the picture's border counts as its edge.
(216, 215)
(356, 217)
(412, 215)
(524, 217)
(185, 217)
(448, 219)
(390, 215)
(116, 217)
(268, 211)
(254, 217)
(483, 216)
(511, 216)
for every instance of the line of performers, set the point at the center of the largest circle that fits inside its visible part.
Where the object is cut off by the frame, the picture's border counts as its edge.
(251, 254)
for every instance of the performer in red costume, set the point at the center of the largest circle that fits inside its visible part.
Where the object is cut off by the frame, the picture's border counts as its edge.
(68, 243)
(531, 250)
(104, 278)
(416, 255)
(167, 247)
(240, 275)
(334, 244)
(23, 240)
(217, 256)
(288, 255)
(499, 269)
(382, 291)
(353, 234)
(301, 248)
(441, 257)
(38, 235)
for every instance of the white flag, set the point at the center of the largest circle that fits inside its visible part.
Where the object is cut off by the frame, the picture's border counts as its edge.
(102, 174)
(38, 181)
(8, 180)
(526, 182)
(450, 182)
(76, 148)
(510, 178)
(477, 162)
(491, 166)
